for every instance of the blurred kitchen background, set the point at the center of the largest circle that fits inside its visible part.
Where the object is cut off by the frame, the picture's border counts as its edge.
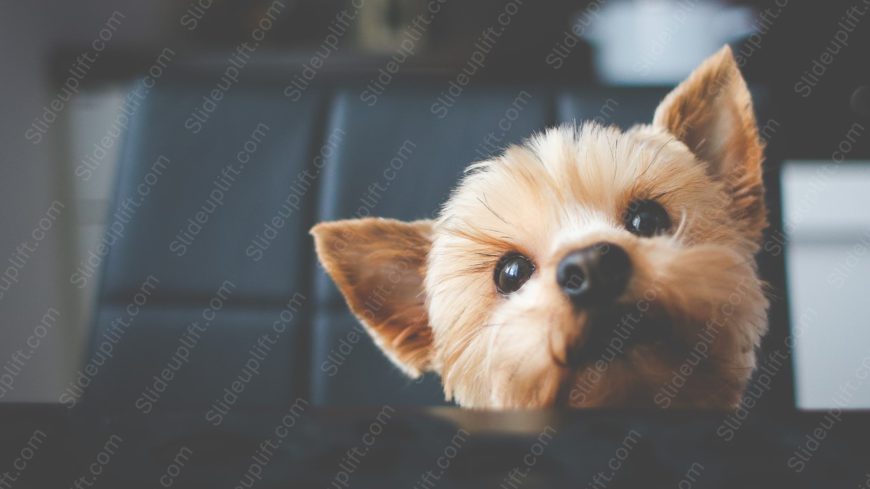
(66, 143)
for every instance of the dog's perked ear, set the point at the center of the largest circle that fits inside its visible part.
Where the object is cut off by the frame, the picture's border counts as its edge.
(711, 113)
(380, 265)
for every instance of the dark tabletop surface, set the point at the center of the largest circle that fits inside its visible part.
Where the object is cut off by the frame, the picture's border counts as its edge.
(45, 446)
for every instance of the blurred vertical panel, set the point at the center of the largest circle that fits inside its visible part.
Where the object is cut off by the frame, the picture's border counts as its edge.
(828, 270)
(30, 184)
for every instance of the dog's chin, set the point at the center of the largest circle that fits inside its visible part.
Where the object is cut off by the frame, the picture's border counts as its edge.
(633, 363)
(619, 358)
(615, 333)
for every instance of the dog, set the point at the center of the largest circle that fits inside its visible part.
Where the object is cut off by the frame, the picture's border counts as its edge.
(586, 267)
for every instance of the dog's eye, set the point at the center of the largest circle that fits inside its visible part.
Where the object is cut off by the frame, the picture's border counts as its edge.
(512, 272)
(646, 218)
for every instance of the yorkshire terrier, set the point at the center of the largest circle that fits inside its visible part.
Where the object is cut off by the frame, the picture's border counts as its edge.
(586, 267)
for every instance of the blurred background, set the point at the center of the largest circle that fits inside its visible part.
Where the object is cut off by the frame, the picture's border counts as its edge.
(162, 162)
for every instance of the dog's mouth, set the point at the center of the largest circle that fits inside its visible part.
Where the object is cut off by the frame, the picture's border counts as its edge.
(611, 334)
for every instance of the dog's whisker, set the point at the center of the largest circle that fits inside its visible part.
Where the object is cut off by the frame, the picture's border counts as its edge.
(493, 325)
(655, 158)
(681, 228)
(491, 347)
(496, 214)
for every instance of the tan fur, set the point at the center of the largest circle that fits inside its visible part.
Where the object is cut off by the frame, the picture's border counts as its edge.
(727, 137)
(379, 266)
(565, 189)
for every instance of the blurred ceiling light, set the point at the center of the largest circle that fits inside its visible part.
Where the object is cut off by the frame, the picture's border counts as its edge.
(658, 42)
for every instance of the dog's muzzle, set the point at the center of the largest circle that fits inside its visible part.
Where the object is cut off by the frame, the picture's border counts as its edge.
(593, 278)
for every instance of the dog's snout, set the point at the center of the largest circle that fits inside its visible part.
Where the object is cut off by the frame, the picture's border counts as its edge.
(595, 275)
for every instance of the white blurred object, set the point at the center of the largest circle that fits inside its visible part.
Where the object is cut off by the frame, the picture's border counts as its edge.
(661, 41)
(828, 270)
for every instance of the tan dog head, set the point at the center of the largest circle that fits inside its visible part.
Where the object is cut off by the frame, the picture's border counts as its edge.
(587, 267)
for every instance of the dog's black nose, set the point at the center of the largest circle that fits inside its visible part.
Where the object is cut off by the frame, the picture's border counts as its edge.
(595, 275)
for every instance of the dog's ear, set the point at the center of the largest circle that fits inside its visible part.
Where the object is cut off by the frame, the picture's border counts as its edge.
(711, 113)
(380, 265)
